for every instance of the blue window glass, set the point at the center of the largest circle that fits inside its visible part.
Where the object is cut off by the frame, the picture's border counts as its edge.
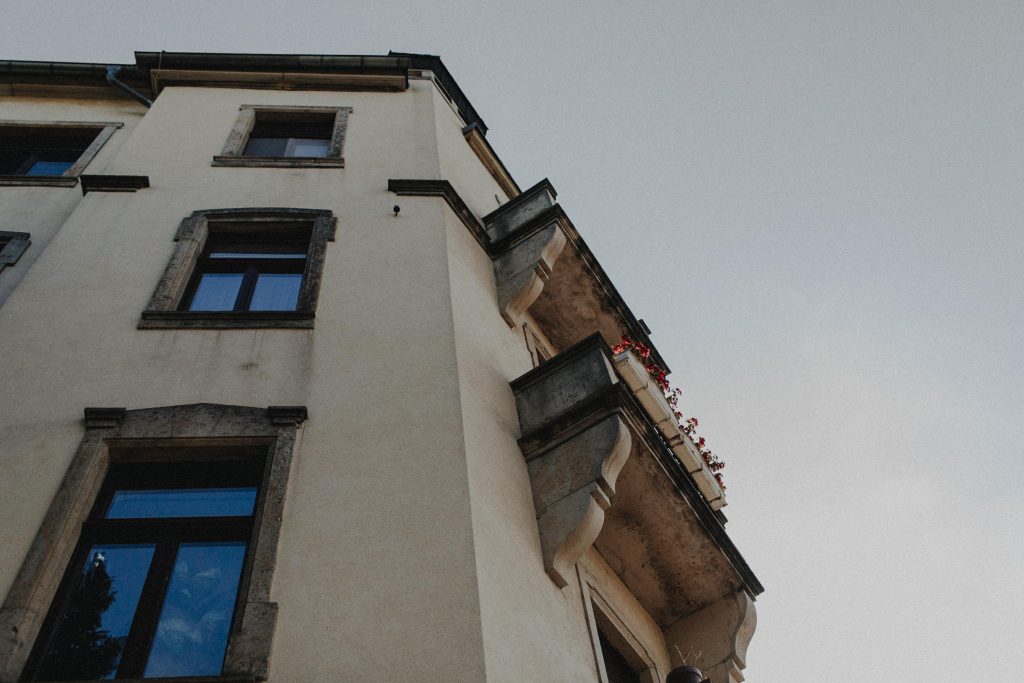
(162, 503)
(261, 271)
(162, 562)
(192, 633)
(46, 167)
(217, 292)
(94, 626)
(276, 292)
(291, 134)
(307, 147)
(266, 147)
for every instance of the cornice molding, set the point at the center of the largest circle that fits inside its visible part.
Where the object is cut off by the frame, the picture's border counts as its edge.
(489, 158)
(278, 80)
(113, 183)
(443, 189)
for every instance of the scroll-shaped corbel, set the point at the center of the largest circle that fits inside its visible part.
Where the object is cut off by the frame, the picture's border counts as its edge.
(573, 484)
(520, 273)
(526, 253)
(720, 633)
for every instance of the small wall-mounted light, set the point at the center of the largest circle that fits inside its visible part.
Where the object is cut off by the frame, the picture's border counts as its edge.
(685, 674)
(396, 208)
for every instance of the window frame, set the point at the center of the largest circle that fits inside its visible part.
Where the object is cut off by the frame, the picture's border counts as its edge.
(15, 245)
(250, 269)
(207, 432)
(166, 534)
(233, 153)
(163, 311)
(69, 178)
(603, 621)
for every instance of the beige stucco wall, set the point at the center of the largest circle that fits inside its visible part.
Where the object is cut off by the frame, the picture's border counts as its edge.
(375, 577)
(532, 630)
(42, 211)
(459, 164)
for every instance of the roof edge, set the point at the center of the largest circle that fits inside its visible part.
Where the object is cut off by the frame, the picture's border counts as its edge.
(85, 73)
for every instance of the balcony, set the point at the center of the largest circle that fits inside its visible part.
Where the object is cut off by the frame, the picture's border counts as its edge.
(611, 469)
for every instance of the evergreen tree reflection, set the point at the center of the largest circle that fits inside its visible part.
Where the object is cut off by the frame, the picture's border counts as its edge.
(82, 649)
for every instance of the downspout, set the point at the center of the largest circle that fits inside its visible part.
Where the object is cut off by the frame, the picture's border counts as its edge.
(112, 72)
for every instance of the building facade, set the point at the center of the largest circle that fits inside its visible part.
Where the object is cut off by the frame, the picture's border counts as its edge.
(300, 385)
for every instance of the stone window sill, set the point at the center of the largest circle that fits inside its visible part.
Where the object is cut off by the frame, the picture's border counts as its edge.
(229, 320)
(278, 162)
(39, 180)
(183, 679)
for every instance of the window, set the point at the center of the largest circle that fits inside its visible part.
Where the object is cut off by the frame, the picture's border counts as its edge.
(12, 245)
(538, 348)
(156, 558)
(620, 654)
(243, 268)
(615, 665)
(249, 272)
(286, 136)
(49, 153)
(277, 135)
(151, 588)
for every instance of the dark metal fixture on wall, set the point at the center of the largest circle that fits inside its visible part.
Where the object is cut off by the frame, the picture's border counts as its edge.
(685, 674)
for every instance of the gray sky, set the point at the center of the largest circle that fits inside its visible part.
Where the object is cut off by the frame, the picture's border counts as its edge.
(817, 208)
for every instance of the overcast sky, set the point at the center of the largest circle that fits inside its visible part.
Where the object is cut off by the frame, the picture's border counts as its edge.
(817, 208)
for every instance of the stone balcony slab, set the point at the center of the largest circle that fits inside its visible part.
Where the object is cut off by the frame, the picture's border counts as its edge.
(604, 474)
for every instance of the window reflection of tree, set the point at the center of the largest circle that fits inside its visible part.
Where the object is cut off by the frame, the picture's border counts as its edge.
(84, 649)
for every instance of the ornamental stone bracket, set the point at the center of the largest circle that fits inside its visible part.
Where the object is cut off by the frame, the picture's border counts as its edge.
(573, 485)
(527, 239)
(718, 635)
(574, 450)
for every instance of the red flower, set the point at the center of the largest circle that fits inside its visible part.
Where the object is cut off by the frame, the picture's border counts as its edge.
(672, 395)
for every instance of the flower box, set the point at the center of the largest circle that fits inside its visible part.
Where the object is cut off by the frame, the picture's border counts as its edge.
(650, 396)
(709, 488)
(688, 453)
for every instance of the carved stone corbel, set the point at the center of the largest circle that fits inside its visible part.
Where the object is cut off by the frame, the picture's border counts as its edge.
(719, 635)
(573, 484)
(575, 445)
(521, 272)
(523, 266)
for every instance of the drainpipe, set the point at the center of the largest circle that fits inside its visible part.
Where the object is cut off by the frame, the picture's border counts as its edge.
(112, 72)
